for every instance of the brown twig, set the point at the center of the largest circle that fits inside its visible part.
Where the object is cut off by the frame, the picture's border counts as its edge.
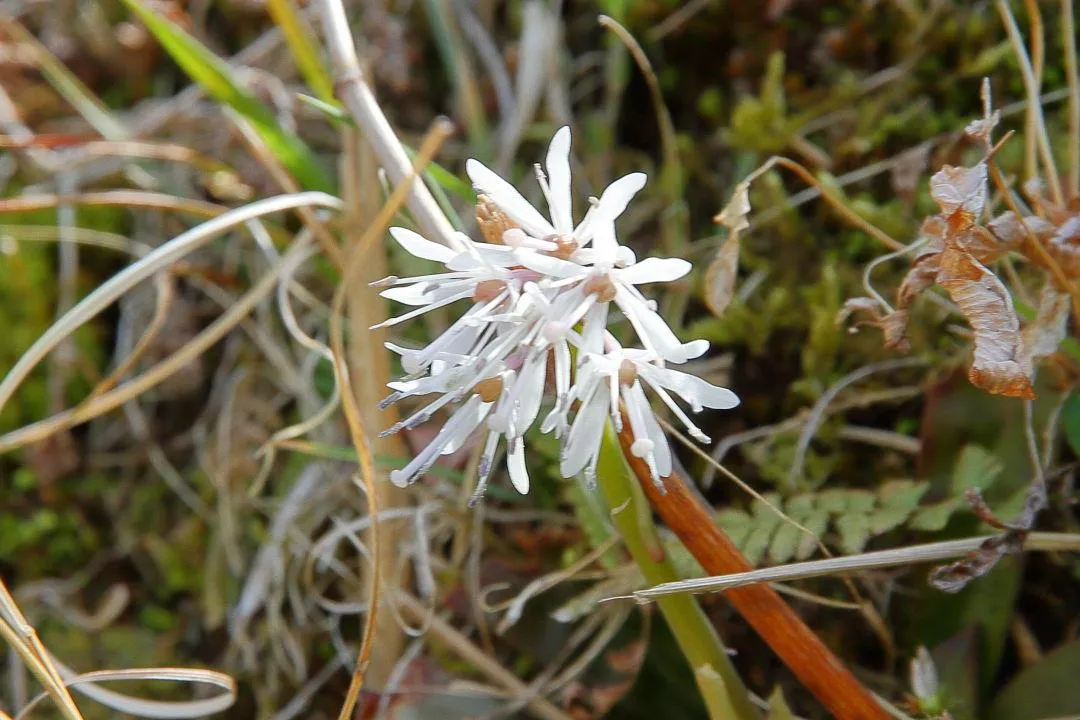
(775, 621)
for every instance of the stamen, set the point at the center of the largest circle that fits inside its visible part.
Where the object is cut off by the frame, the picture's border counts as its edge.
(565, 246)
(489, 389)
(600, 286)
(493, 222)
(487, 290)
(627, 373)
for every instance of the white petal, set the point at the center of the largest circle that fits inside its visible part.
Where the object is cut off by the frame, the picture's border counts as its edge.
(471, 417)
(529, 392)
(595, 324)
(508, 199)
(426, 457)
(558, 172)
(515, 463)
(421, 247)
(652, 270)
(618, 194)
(692, 389)
(654, 332)
(605, 247)
(548, 265)
(661, 449)
(452, 298)
(585, 434)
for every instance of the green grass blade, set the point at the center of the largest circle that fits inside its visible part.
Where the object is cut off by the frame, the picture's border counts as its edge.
(210, 72)
(301, 41)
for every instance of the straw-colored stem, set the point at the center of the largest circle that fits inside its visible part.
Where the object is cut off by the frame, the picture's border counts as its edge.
(693, 632)
(364, 108)
(1068, 34)
(1037, 123)
(775, 621)
(1038, 60)
(913, 555)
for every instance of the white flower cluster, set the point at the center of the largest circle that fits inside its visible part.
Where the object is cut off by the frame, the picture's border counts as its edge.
(539, 311)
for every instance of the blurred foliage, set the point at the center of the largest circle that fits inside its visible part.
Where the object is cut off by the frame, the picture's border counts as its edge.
(846, 88)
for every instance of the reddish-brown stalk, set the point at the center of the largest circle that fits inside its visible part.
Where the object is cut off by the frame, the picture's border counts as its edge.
(774, 620)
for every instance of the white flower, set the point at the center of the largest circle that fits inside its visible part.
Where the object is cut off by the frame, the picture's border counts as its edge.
(547, 289)
(619, 376)
(559, 234)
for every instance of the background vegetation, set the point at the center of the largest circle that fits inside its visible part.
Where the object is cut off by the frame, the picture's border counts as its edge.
(189, 526)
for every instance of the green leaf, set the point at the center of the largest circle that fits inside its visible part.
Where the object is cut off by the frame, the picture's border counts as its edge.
(736, 524)
(215, 77)
(1044, 690)
(935, 517)
(784, 543)
(854, 532)
(778, 707)
(301, 41)
(816, 523)
(976, 467)
(1070, 420)
(902, 494)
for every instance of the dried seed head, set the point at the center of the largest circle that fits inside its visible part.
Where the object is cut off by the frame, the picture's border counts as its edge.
(566, 246)
(602, 287)
(627, 373)
(487, 290)
(493, 222)
(489, 389)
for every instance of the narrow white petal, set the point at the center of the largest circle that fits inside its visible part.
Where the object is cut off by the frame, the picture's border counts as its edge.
(558, 172)
(652, 270)
(508, 199)
(604, 245)
(548, 265)
(661, 449)
(472, 414)
(426, 457)
(593, 332)
(529, 392)
(654, 332)
(585, 434)
(421, 310)
(515, 463)
(421, 247)
(692, 389)
(618, 194)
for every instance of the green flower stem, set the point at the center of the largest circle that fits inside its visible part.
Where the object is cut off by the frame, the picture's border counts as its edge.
(724, 693)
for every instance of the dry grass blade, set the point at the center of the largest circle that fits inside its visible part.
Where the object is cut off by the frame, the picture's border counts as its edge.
(362, 105)
(353, 414)
(931, 552)
(23, 639)
(1037, 123)
(87, 684)
(111, 290)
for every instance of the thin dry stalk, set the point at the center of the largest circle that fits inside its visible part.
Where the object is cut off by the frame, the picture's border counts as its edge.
(349, 403)
(1068, 35)
(1036, 124)
(914, 555)
(364, 108)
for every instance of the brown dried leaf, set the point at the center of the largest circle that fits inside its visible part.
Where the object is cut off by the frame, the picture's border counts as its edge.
(960, 189)
(721, 274)
(892, 325)
(999, 366)
(733, 216)
(1042, 337)
(955, 576)
(1064, 246)
(1011, 231)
